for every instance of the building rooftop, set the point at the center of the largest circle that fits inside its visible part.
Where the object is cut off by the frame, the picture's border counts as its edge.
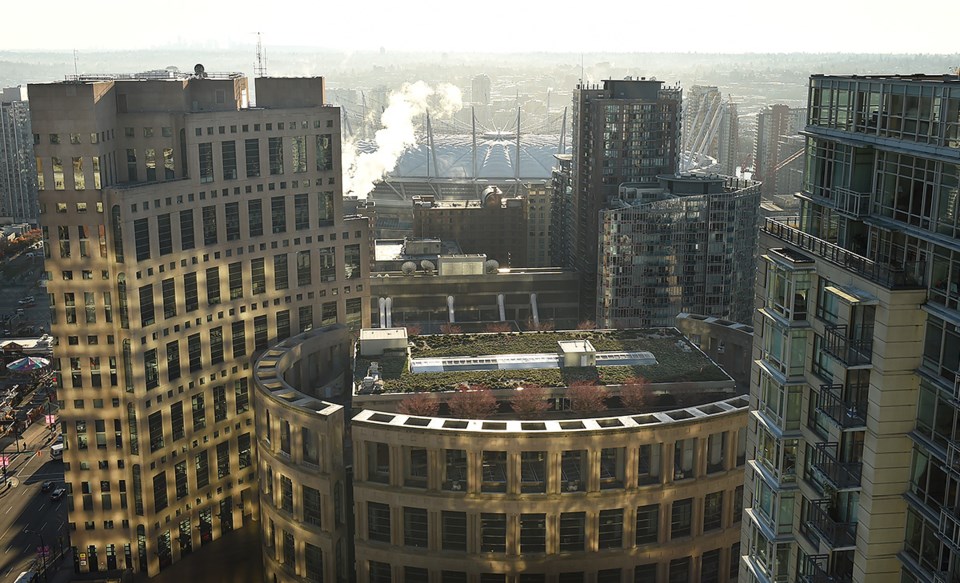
(436, 363)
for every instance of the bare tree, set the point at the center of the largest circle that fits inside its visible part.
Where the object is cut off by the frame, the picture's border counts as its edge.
(451, 329)
(498, 327)
(587, 397)
(474, 402)
(633, 393)
(529, 402)
(587, 325)
(420, 404)
(414, 330)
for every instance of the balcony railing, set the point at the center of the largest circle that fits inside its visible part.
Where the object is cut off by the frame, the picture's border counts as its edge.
(837, 534)
(841, 475)
(953, 458)
(949, 527)
(908, 276)
(849, 351)
(845, 412)
(852, 203)
(816, 571)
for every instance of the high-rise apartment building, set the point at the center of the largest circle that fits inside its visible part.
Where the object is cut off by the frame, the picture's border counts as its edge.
(18, 189)
(728, 140)
(184, 232)
(687, 245)
(774, 151)
(623, 131)
(856, 384)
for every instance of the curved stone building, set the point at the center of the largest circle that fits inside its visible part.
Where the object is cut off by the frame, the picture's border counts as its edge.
(623, 495)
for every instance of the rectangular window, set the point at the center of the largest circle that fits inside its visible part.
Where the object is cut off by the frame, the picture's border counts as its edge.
(155, 422)
(416, 467)
(324, 152)
(710, 566)
(213, 285)
(216, 345)
(232, 212)
(194, 352)
(572, 474)
(325, 208)
(209, 225)
(304, 271)
(494, 468)
(191, 299)
(378, 522)
(169, 293)
(280, 279)
(165, 234)
(278, 214)
(186, 230)
(493, 532)
(453, 527)
(306, 318)
(283, 324)
(301, 212)
(131, 167)
(223, 459)
(160, 491)
(648, 524)
(610, 533)
(351, 261)
(147, 316)
(206, 162)
(258, 276)
(260, 341)
(252, 151)
(533, 533)
(681, 518)
(202, 466)
(354, 311)
(235, 280)
(241, 394)
(78, 180)
(255, 217)
(199, 412)
(415, 527)
(649, 464)
(228, 151)
(311, 505)
(314, 562)
(712, 511)
(150, 154)
(533, 472)
(239, 338)
(141, 236)
(378, 462)
(572, 531)
(169, 171)
(680, 570)
(286, 494)
(328, 264)
(611, 467)
(219, 403)
(275, 147)
(299, 153)
(328, 314)
(173, 360)
(180, 477)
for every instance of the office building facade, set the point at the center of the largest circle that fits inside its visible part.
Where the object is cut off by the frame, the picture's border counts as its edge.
(184, 233)
(18, 188)
(852, 475)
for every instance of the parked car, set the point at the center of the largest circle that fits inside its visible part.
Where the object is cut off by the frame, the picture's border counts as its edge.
(27, 301)
(58, 494)
(47, 486)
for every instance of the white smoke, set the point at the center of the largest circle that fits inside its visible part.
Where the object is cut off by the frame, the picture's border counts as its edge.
(362, 170)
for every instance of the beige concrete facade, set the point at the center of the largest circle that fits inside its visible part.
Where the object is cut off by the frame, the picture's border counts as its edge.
(166, 207)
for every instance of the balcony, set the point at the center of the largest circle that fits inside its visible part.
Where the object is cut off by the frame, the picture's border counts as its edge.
(845, 412)
(953, 458)
(840, 475)
(816, 571)
(838, 535)
(949, 527)
(907, 276)
(849, 351)
(851, 203)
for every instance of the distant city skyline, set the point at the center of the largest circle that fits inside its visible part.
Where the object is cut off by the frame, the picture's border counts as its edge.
(738, 26)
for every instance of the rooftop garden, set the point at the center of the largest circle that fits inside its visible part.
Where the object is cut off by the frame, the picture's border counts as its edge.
(673, 363)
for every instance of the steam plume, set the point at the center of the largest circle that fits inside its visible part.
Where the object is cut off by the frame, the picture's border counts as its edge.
(362, 170)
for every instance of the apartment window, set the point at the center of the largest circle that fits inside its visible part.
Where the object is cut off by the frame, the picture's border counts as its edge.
(328, 264)
(572, 531)
(186, 230)
(232, 212)
(216, 345)
(301, 212)
(235, 280)
(194, 352)
(255, 217)
(681, 518)
(275, 149)
(151, 369)
(252, 151)
(199, 412)
(209, 225)
(415, 527)
(206, 162)
(168, 291)
(173, 360)
(228, 151)
(278, 214)
(299, 153)
(155, 422)
(610, 533)
(572, 471)
(533, 533)
(304, 270)
(165, 234)
(493, 532)
(223, 459)
(494, 468)
(202, 467)
(378, 462)
(378, 522)
(324, 152)
(712, 511)
(453, 526)
(141, 235)
(648, 524)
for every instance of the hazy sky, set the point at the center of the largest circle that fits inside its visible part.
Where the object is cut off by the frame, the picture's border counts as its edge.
(875, 26)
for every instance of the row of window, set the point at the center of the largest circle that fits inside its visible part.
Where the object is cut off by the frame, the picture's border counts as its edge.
(296, 149)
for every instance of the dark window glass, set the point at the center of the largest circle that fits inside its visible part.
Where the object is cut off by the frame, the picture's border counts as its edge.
(252, 151)
(186, 229)
(165, 234)
(255, 217)
(378, 522)
(229, 153)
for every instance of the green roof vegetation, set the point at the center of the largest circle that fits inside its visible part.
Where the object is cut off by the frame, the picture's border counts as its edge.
(673, 364)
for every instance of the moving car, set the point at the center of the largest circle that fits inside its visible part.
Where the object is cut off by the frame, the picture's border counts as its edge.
(58, 494)
(27, 301)
(48, 485)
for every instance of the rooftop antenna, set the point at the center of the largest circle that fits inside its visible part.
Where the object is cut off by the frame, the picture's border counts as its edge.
(76, 68)
(260, 69)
